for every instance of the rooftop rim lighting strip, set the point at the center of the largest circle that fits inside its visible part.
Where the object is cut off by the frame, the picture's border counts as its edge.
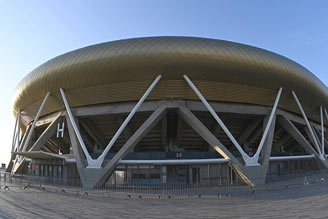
(217, 118)
(307, 122)
(101, 158)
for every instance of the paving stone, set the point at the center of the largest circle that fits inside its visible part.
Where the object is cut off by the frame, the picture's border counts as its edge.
(298, 202)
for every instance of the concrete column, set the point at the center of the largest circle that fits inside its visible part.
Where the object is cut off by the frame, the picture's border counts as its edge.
(163, 174)
(65, 174)
(190, 175)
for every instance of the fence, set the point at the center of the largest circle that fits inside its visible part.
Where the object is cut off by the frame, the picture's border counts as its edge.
(177, 189)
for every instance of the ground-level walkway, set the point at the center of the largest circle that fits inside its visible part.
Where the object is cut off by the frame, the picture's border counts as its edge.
(307, 201)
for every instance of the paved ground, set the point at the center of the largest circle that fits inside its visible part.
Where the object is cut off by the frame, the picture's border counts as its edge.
(309, 201)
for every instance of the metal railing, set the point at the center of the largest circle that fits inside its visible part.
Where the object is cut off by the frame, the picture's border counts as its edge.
(8, 180)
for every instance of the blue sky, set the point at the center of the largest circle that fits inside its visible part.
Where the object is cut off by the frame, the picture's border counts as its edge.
(32, 32)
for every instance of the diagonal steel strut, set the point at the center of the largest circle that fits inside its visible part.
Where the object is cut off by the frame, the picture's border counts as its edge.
(97, 163)
(316, 144)
(249, 161)
(35, 120)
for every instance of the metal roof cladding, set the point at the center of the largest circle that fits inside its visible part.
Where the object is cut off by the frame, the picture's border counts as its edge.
(122, 70)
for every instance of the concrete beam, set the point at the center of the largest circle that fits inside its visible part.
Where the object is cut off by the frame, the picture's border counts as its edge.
(114, 108)
(296, 118)
(77, 150)
(99, 176)
(248, 131)
(193, 105)
(282, 140)
(17, 159)
(93, 133)
(165, 144)
(57, 144)
(47, 133)
(179, 132)
(87, 139)
(325, 138)
(202, 130)
(297, 135)
(252, 175)
(47, 119)
(49, 148)
(214, 128)
(266, 150)
(127, 132)
(254, 136)
(20, 147)
(308, 133)
(223, 107)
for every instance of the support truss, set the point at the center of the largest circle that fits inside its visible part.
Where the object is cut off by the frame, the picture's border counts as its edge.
(253, 170)
(322, 133)
(16, 135)
(97, 163)
(297, 135)
(252, 175)
(249, 161)
(19, 161)
(310, 129)
(46, 134)
(34, 122)
(90, 177)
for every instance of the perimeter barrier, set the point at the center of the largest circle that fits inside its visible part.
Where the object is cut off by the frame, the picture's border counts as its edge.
(8, 180)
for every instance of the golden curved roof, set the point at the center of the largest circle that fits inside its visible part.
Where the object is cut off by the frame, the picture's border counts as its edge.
(122, 70)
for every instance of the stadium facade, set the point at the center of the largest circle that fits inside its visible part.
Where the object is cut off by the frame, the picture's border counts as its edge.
(164, 110)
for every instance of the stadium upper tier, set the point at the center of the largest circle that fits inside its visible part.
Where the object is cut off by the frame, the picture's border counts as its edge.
(122, 70)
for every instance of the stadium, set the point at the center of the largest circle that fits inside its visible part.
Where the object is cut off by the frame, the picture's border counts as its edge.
(169, 110)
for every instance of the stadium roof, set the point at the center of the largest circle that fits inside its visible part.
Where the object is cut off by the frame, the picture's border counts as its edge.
(122, 70)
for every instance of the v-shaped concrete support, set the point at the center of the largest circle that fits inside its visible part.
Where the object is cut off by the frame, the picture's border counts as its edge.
(19, 161)
(310, 130)
(43, 138)
(91, 177)
(16, 158)
(252, 175)
(249, 161)
(46, 134)
(297, 135)
(98, 162)
(80, 159)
